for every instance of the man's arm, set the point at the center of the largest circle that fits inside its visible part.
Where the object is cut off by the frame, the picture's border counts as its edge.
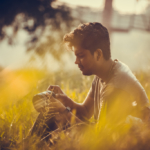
(84, 110)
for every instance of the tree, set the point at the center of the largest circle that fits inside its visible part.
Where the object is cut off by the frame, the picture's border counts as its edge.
(31, 15)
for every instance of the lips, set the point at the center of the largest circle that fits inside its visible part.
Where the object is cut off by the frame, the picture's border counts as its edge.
(80, 67)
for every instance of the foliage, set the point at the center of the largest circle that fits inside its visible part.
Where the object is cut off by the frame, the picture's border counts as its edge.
(36, 11)
(44, 20)
(17, 115)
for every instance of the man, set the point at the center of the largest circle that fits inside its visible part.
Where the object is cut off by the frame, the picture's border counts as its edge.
(115, 92)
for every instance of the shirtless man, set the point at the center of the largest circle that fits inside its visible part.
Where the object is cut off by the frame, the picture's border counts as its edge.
(114, 89)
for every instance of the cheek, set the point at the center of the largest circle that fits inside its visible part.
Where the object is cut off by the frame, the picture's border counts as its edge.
(85, 62)
(82, 60)
(85, 59)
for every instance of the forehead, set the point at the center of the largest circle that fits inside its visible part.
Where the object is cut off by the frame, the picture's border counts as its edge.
(79, 50)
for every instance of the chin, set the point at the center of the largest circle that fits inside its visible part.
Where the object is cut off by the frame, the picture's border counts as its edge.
(87, 73)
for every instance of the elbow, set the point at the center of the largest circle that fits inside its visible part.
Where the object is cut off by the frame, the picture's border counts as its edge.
(85, 114)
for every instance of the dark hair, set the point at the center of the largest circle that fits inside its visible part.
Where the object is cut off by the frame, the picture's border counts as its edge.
(90, 36)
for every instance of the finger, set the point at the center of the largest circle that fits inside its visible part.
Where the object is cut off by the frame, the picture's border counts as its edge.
(54, 88)
(54, 104)
(52, 110)
(57, 89)
(59, 96)
(51, 87)
(51, 115)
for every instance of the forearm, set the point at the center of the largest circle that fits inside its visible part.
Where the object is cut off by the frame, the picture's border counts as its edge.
(68, 102)
(77, 109)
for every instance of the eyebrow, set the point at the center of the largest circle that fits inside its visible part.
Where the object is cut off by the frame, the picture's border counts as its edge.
(79, 53)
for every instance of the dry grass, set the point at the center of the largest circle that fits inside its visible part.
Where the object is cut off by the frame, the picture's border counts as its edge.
(17, 115)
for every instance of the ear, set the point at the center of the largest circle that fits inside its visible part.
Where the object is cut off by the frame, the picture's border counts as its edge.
(99, 53)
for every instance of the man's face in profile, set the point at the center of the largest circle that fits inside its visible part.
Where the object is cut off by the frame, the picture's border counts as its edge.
(85, 60)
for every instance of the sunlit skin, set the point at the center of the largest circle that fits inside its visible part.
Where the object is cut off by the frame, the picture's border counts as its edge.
(89, 64)
(92, 64)
(84, 60)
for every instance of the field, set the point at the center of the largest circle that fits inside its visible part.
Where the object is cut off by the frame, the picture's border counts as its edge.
(17, 114)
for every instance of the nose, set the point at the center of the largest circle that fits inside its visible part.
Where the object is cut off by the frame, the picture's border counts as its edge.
(77, 61)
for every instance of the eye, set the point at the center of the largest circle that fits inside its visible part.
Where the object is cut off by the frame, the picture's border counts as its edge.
(81, 56)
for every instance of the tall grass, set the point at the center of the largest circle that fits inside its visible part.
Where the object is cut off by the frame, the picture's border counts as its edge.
(17, 114)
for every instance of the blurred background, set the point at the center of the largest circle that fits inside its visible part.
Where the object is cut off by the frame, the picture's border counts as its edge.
(31, 32)
(32, 55)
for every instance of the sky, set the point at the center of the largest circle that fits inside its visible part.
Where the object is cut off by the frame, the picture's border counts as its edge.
(123, 6)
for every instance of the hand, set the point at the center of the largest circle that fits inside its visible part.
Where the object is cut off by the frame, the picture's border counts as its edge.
(56, 107)
(59, 94)
(56, 89)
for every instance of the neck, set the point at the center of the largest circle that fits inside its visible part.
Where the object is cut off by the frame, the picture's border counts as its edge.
(104, 69)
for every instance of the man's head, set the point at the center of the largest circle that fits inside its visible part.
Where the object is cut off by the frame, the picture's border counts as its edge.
(89, 37)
